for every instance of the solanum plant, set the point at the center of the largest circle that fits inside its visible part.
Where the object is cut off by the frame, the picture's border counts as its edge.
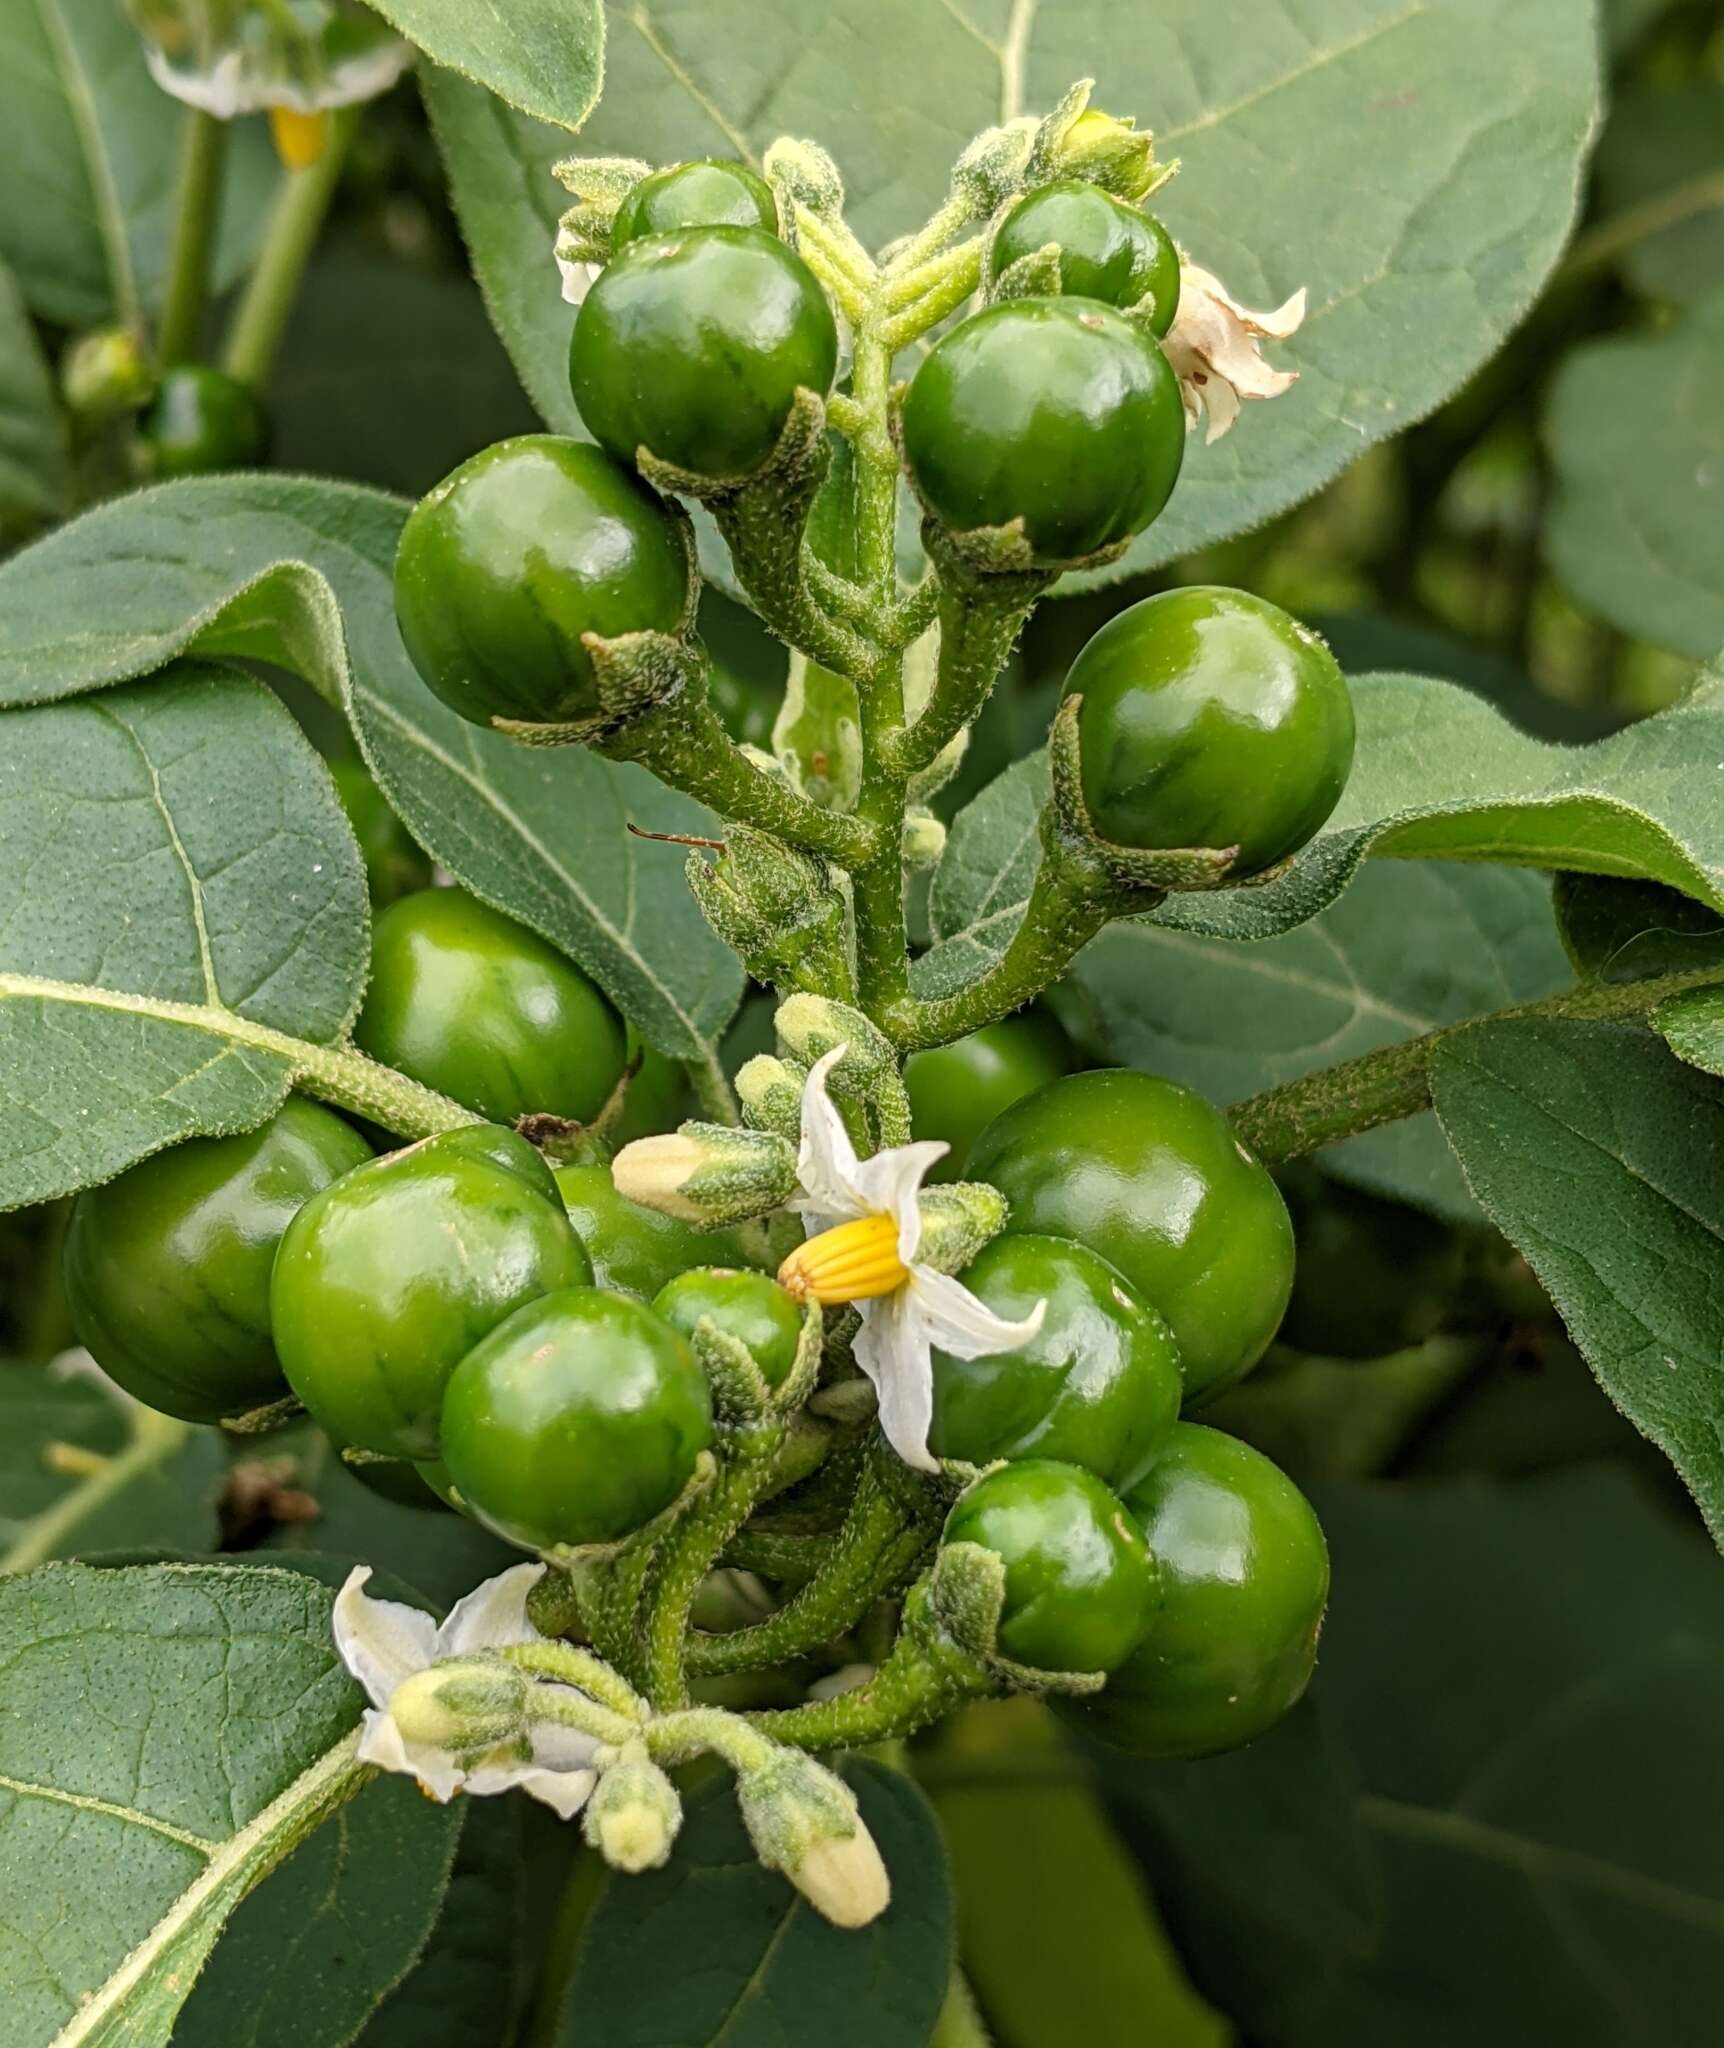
(620, 1225)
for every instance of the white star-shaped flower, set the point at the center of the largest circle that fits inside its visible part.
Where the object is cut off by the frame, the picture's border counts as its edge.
(907, 1309)
(386, 1645)
(1214, 349)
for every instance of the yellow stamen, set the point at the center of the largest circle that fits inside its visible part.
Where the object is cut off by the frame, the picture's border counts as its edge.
(299, 138)
(856, 1262)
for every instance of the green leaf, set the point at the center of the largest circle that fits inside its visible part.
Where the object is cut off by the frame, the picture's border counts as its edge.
(1438, 775)
(1231, 1020)
(1630, 931)
(715, 1949)
(1596, 1153)
(92, 145)
(1664, 146)
(1692, 1025)
(79, 1471)
(1478, 111)
(35, 462)
(1635, 431)
(543, 56)
(299, 572)
(1500, 1830)
(181, 905)
(171, 1733)
(325, 1940)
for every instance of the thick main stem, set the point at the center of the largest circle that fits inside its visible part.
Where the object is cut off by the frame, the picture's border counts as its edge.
(203, 157)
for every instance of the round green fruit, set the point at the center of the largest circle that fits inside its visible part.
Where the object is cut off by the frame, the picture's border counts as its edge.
(957, 1090)
(1081, 1585)
(634, 1250)
(575, 1421)
(386, 1279)
(1108, 250)
(1058, 414)
(751, 1307)
(1098, 1386)
(1211, 718)
(1246, 1577)
(167, 1267)
(200, 420)
(508, 563)
(709, 192)
(1156, 1180)
(693, 347)
(477, 1006)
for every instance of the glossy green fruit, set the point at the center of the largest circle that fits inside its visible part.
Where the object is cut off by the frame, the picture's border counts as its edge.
(1246, 1573)
(200, 420)
(1098, 1386)
(477, 1006)
(748, 1306)
(1081, 1584)
(1211, 718)
(1108, 250)
(394, 864)
(709, 192)
(576, 1420)
(167, 1267)
(694, 345)
(1372, 1276)
(634, 1250)
(1056, 412)
(509, 561)
(1155, 1179)
(957, 1090)
(388, 1278)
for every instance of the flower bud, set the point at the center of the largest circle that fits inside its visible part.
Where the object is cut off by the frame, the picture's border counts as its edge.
(231, 60)
(957, 1220)
(708, 1174)
(924, 839)
(770, 1093)
(810, 1026)
(634, 1814)
(805, 174)
(992, 167)
(105, 374)
(463, 1706)
(778, 909)
(804, 1822)
(1110, 153)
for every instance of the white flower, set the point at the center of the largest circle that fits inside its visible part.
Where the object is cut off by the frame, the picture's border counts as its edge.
(387, 1645)
(909, 1309)
(576, 273)
(1213, 347)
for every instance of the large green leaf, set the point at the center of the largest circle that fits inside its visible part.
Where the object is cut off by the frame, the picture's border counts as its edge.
(181, 905)
(1499, 1829)
(170, 1733)
(1230, 1020)
(299, 572)
(1636, 438)
(1595, 1151)
(1438, 775)
(92, 151)
(1472, 113)
(80, 1471)
(544, 56)
(715, 1949)
(35, 463)
(324, 1941)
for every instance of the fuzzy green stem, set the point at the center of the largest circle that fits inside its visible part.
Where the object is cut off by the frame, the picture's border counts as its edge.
(772, 560)
(567, 1664)
(351, 1080)
(700, 1731)
(1382, 1087)
(203, 158)
(980, 618)
(791, 1560)
(949, 282)
(882, 1538)
(907, 275)
(294, 225)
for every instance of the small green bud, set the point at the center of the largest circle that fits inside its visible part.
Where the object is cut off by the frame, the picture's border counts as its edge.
(603, 180)
(992, 167)
(924, 839)
(957, 1220)
(465, 1706)
(634, 1814)
(804, 1822)
(1110, 153)
(105, 374)
(805, 174)
(707, 1174)
(770, 1093)
(810, 1026)
(778, 909)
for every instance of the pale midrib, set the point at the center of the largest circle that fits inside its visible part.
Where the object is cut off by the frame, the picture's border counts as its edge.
(208, 1017)
(194, 887)
(110, 214)
(643, 25)
(239, 1862)
(85, 1803)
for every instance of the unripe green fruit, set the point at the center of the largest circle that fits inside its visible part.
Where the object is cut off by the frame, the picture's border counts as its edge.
(751, 1307)
(1108, 250)
(708, 192)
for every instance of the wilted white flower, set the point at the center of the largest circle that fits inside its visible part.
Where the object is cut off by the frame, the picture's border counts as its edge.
(1213, 346)
(233, 57)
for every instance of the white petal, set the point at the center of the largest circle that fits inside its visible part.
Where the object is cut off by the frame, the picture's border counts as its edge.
(380, 1743)
(893, 1351)
(952, 1319)
(563, 1749)
(826, 1160)
(890, 1181)
(382, 1642)
(493, 1616)
(577, 276)
(565, 1792)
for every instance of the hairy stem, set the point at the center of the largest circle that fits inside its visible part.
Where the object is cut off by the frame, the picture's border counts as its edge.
(203, 159)
(294, 225)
